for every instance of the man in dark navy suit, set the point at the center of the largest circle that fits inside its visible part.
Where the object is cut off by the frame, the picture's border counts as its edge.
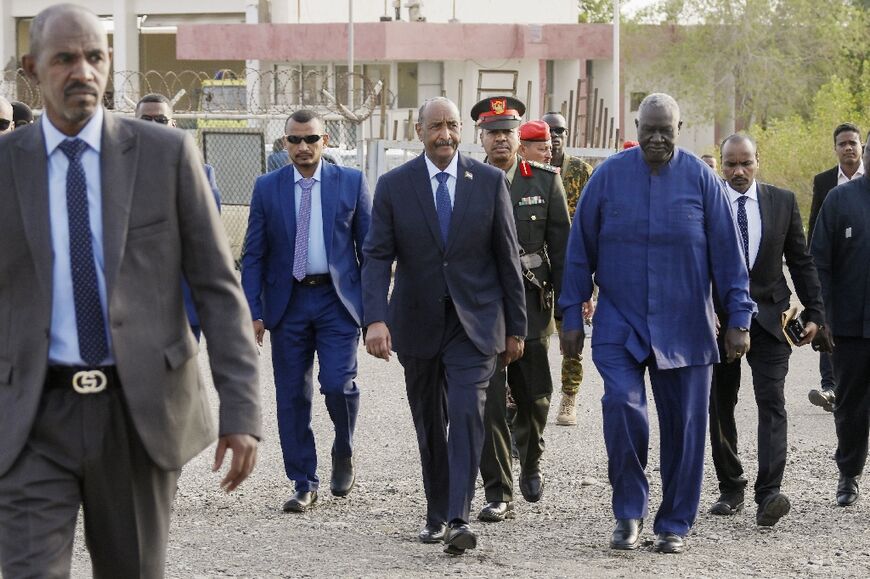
(301, 275)
(457, 303)
(158, 109)
(847, 146)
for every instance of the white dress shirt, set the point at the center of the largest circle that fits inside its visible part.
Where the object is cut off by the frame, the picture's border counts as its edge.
(317, 261)
(451, 181)
(63, 345)
(753, 217)
(841, 177)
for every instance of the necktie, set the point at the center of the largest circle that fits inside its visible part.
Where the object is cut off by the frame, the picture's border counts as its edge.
(743, 225)
(303, 219)
(93, 344)
(442, 205)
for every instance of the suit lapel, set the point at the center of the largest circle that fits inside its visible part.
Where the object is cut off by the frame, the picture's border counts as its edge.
(461, 197)
(30, 173)
(768, 218)
(422, 186)
(330, 189)
(286, 193)
(118, 156)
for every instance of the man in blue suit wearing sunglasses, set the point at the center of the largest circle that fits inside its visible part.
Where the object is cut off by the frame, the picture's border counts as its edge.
(301, 275)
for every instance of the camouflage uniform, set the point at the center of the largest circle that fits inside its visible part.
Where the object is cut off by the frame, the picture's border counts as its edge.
(575, 173)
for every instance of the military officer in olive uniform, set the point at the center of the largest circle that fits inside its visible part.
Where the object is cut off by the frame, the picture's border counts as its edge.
(575, 173)
(541, 214)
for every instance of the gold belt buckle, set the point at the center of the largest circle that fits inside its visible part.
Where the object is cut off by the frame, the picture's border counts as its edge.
(89, 381)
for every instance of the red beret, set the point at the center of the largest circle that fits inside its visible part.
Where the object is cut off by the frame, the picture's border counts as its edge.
(535, 131)
(629, 144)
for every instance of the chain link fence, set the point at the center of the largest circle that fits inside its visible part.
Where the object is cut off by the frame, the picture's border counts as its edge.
(236, 117)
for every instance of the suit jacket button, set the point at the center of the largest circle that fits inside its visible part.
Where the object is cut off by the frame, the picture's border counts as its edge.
(444, 264)
(534, 217)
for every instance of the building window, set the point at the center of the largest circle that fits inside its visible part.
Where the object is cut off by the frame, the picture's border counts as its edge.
(407, 84)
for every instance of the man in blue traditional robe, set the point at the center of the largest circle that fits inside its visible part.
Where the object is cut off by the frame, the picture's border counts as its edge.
(655, 230)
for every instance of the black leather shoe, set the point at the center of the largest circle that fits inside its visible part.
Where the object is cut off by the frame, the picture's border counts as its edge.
(668, 543)
(532, 485)
(847, 490)
(300, 502)
(626, 535)
(772, 509)
(728, 504)
(343, 476)
(432, 533)
(459, 537)
(826, 398)
(496, 512)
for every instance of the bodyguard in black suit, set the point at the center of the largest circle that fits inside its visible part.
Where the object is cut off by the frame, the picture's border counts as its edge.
(770, 227)
(847, 145)
(457, 303)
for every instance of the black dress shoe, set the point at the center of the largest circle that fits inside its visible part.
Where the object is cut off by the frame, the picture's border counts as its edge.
(847, 490)
(496, 512)
(728, 504)
(459, 537)
(532, 485)
(432, 533)
(772, 509)
(826, 398)
(343, 476)
(300, 502)
(668, 543)
(626, 534)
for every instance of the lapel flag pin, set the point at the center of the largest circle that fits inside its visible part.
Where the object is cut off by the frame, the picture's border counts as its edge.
(468, 175)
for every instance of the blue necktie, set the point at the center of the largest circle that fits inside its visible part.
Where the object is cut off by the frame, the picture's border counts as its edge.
(445, 210)
(743, 225)
(303, 221)
(93, 344)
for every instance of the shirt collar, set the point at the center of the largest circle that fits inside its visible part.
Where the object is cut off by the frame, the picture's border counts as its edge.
(858, 173)
(91, 133)
(450, 169)
(751, 193)
(297, 175)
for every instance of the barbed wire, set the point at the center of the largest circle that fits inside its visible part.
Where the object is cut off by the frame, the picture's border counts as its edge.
(279, 91)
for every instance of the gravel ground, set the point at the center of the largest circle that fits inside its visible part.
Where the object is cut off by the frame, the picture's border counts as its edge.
(372, 533)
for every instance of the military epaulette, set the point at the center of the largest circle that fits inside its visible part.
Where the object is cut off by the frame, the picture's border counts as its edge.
(545, 167)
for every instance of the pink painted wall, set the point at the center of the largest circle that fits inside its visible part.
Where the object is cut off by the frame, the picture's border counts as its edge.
(410, 41)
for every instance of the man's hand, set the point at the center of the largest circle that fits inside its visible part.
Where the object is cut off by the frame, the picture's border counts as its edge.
(244, 447)
(588, 311)
(378, 341)
(824, 341)
(718, 325)
(513, 350)
(259, 331)
(736, 343)
(810, 330)
(571, 342)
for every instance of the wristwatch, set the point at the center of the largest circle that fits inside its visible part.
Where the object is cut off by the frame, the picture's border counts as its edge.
(519, 339)
(741, 329)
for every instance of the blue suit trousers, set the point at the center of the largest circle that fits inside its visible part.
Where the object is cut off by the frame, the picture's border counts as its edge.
(315, 321)
(682, 399)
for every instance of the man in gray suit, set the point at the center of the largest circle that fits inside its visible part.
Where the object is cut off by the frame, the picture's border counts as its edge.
(458, 302)
(101, 403)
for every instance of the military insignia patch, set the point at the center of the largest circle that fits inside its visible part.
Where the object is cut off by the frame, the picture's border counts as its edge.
(498, 106)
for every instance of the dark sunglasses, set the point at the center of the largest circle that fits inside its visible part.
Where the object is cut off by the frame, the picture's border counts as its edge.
(4, 124)
(558, 130)
(21, 123)
(163, 120)
(310, 139)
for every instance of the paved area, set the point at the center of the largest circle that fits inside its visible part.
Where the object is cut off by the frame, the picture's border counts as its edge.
(372, 532)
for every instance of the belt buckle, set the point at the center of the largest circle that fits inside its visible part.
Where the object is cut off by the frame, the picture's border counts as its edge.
(89, 381)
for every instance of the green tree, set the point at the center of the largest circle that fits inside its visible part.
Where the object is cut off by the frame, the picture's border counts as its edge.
(595, 11)
(761, 59)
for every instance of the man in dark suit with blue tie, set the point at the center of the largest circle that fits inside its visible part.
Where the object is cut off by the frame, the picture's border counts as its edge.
(457, 303)
(301, 275)
(770, 228)
(156, 108)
